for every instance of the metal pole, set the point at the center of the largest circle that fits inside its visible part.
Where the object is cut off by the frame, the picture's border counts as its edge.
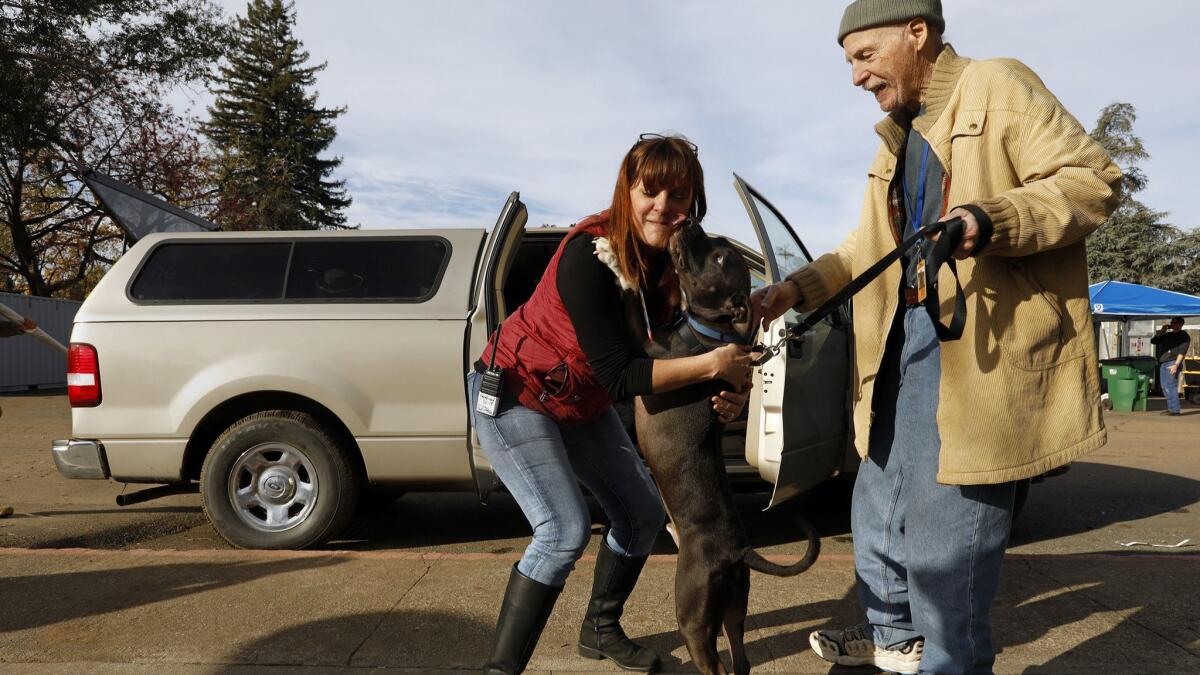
(30, 327)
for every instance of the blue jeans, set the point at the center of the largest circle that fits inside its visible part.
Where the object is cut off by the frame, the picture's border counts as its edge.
(1170, 385)
(542, 466)
(927, 555)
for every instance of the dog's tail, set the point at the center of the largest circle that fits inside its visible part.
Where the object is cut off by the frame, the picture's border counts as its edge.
(760, 564)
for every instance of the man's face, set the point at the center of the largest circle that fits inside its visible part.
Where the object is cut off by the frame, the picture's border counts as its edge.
(1176, 325)
(883, 61)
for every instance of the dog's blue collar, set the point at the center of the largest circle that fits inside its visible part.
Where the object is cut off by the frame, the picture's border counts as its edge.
(714, 334)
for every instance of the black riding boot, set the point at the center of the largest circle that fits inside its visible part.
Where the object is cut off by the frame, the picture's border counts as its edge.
(523, 615)
(601, 635)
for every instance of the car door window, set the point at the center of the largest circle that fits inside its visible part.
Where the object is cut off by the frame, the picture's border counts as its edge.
(786, 253)
(217, 272)
(782, 249)
(396, 270)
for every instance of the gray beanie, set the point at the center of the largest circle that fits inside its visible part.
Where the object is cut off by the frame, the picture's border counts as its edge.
(870, 13)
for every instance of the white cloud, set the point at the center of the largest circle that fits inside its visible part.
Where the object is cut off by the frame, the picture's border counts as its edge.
(455, 103)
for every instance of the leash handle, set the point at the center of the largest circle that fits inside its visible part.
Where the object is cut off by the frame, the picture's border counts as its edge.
(940, 253)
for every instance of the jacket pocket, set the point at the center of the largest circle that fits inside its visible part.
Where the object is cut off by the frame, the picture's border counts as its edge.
(1032, 324)
(968, 123)
(556, 385)
(883, 167)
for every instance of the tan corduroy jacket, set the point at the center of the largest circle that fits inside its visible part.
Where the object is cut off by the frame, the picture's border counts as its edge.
(1019, 392)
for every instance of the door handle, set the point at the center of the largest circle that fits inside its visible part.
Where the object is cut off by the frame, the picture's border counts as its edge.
(795, 348)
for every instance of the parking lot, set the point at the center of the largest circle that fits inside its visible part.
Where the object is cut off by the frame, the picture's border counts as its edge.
(416, 583)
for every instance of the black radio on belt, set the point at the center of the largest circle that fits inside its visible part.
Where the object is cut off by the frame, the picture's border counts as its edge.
(491, 385)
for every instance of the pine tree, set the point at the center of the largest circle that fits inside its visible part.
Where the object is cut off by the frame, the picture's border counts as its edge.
(1136, 244)
(269, 132)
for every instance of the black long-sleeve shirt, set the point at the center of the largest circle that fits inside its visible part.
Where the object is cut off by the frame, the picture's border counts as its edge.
(1171, 344)
(592, 298)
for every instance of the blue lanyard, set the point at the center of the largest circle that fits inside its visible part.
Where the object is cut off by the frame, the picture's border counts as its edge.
(919, 215)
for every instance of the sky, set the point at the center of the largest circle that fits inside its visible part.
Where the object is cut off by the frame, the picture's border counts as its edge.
(453, 104)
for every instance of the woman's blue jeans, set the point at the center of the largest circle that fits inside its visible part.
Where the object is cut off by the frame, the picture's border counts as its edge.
(927, 555)
(542, 466)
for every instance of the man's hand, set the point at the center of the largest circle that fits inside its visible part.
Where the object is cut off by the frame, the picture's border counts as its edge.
(729, 404)
(970, 235)
(1174, 368)
(770, 302)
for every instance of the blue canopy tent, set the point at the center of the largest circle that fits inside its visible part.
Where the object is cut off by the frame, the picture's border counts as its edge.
(1121, 301)
(1124, 302)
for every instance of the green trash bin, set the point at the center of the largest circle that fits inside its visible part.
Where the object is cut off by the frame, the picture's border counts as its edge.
(1143, 392)
(1146, 365)
(1118, 371)
(1123, 393)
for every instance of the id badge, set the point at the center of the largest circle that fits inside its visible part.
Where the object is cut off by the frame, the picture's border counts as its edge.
(488, 402)
(921, 290)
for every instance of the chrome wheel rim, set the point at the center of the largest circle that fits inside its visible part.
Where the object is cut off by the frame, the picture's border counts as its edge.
(273, 487)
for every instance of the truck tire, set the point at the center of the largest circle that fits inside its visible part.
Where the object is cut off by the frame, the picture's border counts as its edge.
(277, 480)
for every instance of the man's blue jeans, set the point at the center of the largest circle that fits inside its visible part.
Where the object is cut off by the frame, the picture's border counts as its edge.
(927, 555)
(1170, 385)
(542, 465)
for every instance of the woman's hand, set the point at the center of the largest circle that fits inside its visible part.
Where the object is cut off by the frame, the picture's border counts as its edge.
(729, 404)
(770, 302)
(731, 363)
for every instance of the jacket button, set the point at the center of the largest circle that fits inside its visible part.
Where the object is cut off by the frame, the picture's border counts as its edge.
(974, 126)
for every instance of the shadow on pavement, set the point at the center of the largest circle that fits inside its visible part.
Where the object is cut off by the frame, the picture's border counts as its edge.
(438, 519)
(91, 512)
(125, 532)
(411, 639)
(1053, 614)
(1091, 496)
(435, 519)
(1088, 497)
(45, 599)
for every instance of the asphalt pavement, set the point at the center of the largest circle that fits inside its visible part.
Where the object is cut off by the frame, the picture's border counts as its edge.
(415, 585)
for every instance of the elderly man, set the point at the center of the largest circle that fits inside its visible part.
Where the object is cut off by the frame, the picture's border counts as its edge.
(947, 426)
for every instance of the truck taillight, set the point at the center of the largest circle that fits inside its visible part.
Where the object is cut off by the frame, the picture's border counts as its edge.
(83, 376)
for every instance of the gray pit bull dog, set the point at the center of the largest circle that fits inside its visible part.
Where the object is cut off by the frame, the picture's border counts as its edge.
(680, 437)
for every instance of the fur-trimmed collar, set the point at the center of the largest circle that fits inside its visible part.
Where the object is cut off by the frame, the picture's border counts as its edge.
(604, 251)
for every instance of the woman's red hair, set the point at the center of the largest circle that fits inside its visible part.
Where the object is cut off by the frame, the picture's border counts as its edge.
(668, 163)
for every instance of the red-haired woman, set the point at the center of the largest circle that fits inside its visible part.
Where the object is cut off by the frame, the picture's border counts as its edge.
(567, 354)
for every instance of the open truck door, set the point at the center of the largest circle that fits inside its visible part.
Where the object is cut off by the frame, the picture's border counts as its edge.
(488, 309)
(798, 427)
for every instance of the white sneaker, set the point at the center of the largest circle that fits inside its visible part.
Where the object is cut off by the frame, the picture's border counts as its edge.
(855, 647)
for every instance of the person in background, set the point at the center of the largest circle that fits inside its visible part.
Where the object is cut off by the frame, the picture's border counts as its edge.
(567, 354)
(10, 329)
(1171, 343)
(947, 426)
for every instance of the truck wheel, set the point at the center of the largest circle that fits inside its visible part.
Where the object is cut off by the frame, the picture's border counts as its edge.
(276, 479)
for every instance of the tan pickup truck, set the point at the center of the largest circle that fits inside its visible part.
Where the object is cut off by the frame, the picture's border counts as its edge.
(283, 374)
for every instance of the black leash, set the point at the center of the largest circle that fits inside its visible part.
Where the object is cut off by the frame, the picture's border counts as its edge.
(940, 253)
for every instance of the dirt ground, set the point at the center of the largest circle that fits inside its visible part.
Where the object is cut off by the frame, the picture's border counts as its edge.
(415, 585)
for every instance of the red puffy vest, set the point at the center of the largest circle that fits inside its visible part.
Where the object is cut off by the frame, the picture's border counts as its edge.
(538, 342)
